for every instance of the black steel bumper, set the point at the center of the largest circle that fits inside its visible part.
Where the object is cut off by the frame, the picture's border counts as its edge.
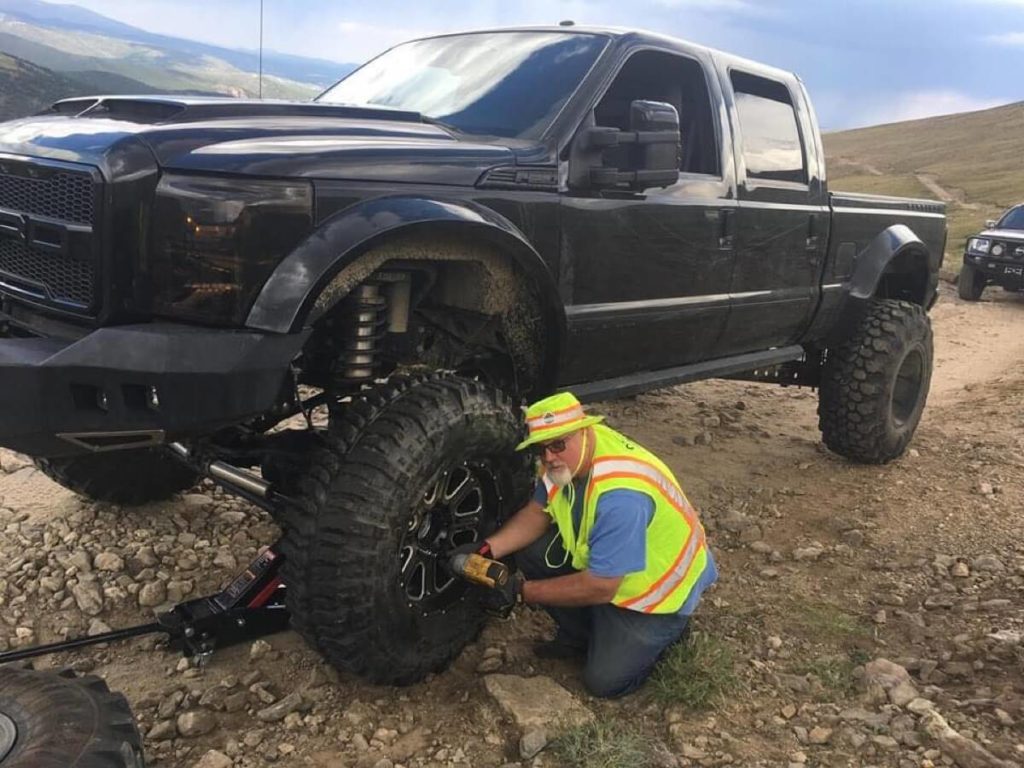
(1001, 271)
(131, 386)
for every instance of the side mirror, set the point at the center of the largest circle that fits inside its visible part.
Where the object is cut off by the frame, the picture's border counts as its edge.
(989, 223)
(650, 149)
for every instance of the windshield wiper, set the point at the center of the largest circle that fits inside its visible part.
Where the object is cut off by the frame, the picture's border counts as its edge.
(440, 123)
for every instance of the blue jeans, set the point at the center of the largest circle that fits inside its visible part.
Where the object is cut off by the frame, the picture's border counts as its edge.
(622, 646)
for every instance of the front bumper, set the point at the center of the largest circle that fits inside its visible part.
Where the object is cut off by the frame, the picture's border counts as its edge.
(136, 385)
(999, 270)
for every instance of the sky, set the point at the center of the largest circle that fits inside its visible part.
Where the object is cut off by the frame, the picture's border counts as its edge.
(864, 61)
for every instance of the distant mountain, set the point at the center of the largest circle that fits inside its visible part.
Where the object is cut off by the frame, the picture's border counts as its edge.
(68, 39)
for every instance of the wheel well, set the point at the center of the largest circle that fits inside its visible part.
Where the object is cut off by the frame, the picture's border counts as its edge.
(468, 306)
(905, 277)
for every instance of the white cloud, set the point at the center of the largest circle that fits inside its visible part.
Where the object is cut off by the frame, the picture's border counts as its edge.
(1012, 39)
(915, 105)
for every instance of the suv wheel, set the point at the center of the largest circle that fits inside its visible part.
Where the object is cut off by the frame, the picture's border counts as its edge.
(121, 477)
(58, 720)
(970, 283)
(413, 469)
(874, 385)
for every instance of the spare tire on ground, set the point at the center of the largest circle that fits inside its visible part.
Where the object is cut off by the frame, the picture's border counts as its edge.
(61, 720)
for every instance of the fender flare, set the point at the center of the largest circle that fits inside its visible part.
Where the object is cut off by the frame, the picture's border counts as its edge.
(871, 265)
(285, 304)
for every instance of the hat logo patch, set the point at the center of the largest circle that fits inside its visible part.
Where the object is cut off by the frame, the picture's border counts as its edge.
(548, 418)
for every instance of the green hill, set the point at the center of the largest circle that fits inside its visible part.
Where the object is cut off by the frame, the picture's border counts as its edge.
(26, 88)
(972, 160)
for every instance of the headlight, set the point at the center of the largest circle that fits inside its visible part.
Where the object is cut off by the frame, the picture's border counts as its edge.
(216, 241)
(978, 245)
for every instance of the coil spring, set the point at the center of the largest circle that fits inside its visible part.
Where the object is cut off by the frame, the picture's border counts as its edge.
(364, 328)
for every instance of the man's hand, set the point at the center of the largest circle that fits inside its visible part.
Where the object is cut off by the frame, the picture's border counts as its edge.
(502, 599)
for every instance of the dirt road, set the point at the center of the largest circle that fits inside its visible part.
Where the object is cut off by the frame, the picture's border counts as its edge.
(826, 567)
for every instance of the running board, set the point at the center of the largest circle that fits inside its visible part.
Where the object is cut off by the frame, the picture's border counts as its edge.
(624, 386)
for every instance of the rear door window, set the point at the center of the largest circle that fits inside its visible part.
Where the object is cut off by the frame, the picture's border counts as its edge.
(771, 144)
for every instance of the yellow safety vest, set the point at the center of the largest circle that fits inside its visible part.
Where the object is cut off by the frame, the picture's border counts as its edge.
(676, 549)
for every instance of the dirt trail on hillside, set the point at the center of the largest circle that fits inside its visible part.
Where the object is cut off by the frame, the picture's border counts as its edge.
(825, 566)
(944, 194)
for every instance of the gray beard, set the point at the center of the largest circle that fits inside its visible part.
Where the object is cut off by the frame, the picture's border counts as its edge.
(560, 477)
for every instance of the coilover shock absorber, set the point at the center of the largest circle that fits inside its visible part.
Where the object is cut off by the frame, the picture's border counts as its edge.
(362, 328)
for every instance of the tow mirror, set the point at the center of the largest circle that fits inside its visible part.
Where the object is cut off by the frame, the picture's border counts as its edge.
(645, 156)
(989, 223)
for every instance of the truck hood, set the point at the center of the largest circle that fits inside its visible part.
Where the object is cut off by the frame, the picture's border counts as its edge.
(1016, 235)
(262, 138)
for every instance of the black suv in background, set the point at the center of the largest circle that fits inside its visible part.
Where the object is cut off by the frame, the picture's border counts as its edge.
(996, 256)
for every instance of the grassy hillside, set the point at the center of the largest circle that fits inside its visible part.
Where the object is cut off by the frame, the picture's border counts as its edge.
(26, 88)
(974, 161)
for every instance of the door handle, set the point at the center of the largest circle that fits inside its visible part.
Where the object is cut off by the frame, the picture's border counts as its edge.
(726, 218)
(812, 232)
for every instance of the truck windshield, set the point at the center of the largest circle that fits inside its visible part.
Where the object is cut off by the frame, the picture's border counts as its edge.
(1012, 219)
(509, 84)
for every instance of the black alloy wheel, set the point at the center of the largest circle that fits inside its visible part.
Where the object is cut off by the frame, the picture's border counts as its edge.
(412, 468)
(454, 510)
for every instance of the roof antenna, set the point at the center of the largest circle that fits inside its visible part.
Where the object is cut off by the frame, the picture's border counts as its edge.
(261, 49)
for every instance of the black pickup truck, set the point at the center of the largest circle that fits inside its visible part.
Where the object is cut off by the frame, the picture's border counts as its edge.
(465, 223)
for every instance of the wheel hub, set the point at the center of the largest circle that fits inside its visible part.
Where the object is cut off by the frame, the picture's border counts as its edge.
(456, 509)
(8, 735)
(907, 390)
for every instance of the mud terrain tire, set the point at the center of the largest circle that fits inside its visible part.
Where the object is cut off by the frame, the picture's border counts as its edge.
(58, 720)
(875, 384)
(121, 477)
(970, 283)
(413, 468)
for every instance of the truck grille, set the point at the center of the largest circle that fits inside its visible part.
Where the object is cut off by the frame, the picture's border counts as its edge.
(62, 280)
(64, 196)
(48, 215)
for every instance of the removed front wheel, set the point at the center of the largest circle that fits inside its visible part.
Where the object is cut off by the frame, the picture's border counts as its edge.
(420, 468)
(875, 384)
(58, 720)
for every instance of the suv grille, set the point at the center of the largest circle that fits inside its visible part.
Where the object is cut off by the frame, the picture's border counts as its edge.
(1010, 249)
(47, 251)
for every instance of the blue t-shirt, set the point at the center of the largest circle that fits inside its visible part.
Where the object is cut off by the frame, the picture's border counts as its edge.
(618, 539)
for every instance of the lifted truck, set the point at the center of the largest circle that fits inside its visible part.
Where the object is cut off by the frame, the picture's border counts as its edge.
(466, 222)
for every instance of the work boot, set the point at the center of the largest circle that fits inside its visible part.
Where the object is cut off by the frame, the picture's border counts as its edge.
(559, 648)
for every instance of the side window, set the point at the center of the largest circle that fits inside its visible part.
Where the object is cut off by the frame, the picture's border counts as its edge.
(679, 81)
(771, 138)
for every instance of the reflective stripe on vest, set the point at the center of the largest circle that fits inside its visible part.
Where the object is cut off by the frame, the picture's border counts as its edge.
(612, 467)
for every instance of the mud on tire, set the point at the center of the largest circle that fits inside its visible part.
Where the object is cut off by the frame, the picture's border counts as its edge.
(58, 720)
(121, 477)
(875, 384)
(413, 468)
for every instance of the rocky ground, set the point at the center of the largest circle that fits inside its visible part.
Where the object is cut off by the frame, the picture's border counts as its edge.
(874, 614)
